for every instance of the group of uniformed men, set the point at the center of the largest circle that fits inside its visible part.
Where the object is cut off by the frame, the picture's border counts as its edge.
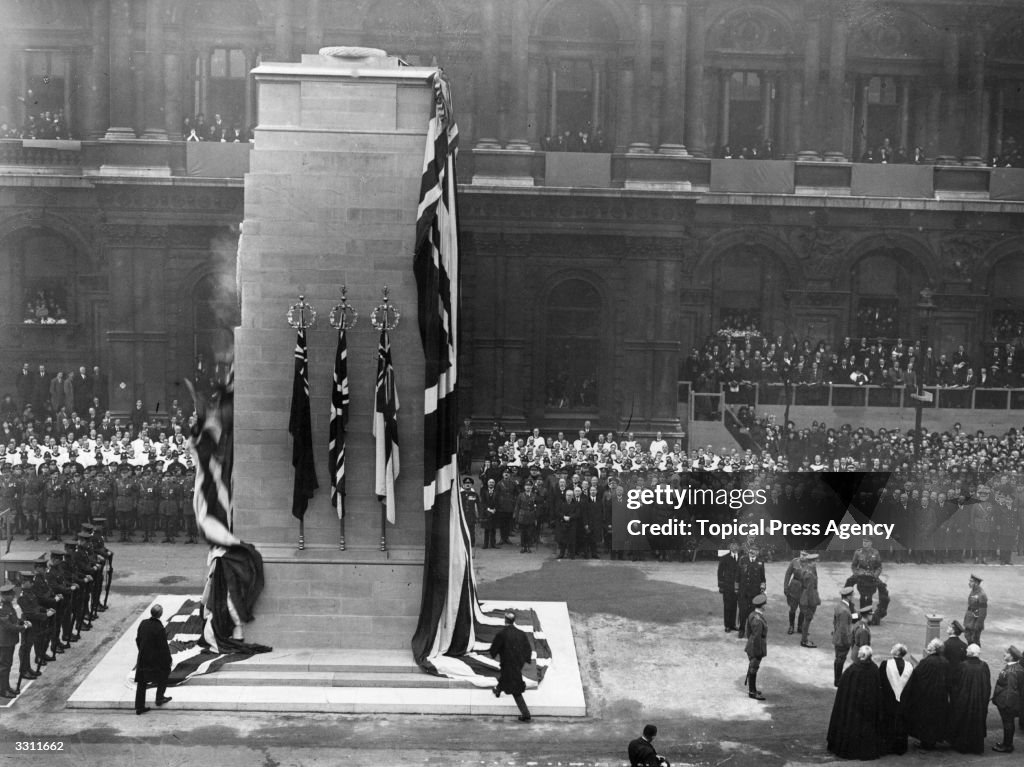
(50, 501)
(44, 611)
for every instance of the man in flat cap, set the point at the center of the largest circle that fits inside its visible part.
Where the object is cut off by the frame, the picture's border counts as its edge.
(1008, 696)
(756, 630)
(977, 610)
(11, 629)
(842, 631)
(514, 650)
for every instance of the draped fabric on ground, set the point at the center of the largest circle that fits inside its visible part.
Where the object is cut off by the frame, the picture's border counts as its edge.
(234, 569)
(453, 633)
(339, 423)
(190, 656)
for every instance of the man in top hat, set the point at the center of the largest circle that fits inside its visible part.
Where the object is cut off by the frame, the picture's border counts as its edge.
(729, 584)
(954, 649)
(756, 630)
(513, 648)
(751, 583)
(977, 610)
(11, 629)
(842, 631)
(810, 599)
(1008, 696)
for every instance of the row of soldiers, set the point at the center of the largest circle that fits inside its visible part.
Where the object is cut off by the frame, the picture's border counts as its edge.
(52, 502)
(43, 612)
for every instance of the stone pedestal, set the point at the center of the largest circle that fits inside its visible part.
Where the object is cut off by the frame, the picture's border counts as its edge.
(330, 200)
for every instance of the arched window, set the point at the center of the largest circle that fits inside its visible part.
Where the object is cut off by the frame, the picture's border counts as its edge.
(574, 343)
(1006, 286)
(882, 284)
(47, 279)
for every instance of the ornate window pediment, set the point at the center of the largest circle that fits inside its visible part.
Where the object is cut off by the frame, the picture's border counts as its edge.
(752, 30)
(893, 35)
(580, 20)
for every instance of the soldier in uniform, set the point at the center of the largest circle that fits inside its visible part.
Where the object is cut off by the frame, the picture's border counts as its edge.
(106, 556)
(756, 630)
(101, 494)
(46, 589)
(842, 631)
(38, 616)
(188, 491)
(867, 569)
(752, 582)
(11, 628)
(861, 633)
(126, 493)
(792, 587)
(470, 502)
(809, 599)
(977, 610)
(48, 600)
(53, 501)
(59, 579)
(170, 502)
(149, 499)
(32, 501)
(94, 563)
(1008, 695)
(10, 496)
(76, 495)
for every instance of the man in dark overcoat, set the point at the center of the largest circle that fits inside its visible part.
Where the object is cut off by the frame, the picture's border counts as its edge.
(154, 662)
(853, 727)
(729, 584)
(512, 648)
(968, 707)
(926, 697)
(752, 582)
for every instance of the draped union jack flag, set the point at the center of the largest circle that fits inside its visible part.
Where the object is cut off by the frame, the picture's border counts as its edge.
(339, 423)
(385, 427)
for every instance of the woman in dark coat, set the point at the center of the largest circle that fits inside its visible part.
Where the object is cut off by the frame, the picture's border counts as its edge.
(154, 662)
(969, 705)
(926, 697)
(853, 729)
(894, 674)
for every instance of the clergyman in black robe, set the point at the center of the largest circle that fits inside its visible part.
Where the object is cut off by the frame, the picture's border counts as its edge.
(894, 674)
(969, 706)
(853, 731)
(926, 697)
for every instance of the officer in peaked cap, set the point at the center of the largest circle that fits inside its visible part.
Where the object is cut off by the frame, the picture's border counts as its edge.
(11, 628)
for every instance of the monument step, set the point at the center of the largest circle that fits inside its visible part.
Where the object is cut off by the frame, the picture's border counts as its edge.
(386, 679)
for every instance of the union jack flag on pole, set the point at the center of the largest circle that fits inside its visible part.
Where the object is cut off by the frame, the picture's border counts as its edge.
(450, 613)
(385, 427)
(339, 423)
(300, 426)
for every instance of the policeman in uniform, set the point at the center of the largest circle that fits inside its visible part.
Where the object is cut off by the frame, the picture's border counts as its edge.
(977, 610)
(60, 578)
(867, 569)
(45, 585)
(38, 616)
(11, 629)
(470, 504)
(49, 600)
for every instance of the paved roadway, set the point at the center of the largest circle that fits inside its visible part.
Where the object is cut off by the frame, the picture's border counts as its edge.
(651, 648)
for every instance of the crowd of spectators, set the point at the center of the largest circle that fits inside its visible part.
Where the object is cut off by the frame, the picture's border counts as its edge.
(575, 141)
(229, 131)
(934, 489)
(739, 360)
(40, 125)
(45, 307)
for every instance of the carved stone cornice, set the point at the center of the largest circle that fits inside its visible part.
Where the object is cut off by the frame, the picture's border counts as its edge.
(134, 234)
(201, 200)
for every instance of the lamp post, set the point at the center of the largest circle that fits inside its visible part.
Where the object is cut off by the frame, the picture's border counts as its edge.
(925, 309)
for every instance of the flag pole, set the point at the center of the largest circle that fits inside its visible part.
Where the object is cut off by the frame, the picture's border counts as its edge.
(384, 526)
(302, 535)
(302, 316)
(341, 526)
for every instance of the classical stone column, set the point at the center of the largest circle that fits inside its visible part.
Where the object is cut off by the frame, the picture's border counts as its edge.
(809, 133)
(904, 139)
(642, 81)
(283, 33)
(696, 139)
(837, 83)
(767, 89)
(624, 132)
(672, 123)
(488, 84)
(518, 133)
(97, 101)
(121, 72)
(552, 100)
(977, 141)
(155, 92)
(173, 82)
(314, 26)
(724, 96)
(950, 136)
(794, 104)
